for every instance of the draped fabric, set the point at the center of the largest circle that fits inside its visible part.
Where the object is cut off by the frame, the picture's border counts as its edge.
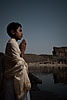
(15, 66)
(13, 62)
(21, 84)
(9, 93)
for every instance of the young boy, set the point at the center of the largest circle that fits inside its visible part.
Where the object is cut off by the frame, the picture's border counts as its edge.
(15, 66)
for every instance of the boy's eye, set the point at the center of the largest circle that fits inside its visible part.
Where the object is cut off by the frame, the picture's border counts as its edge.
(20, 30)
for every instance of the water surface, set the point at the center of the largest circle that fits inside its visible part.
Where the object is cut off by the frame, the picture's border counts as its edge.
(55, 82)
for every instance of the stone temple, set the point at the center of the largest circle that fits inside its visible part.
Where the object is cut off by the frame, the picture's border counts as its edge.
(60, 51)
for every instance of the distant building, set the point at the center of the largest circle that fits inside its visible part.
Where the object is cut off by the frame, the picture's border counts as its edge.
(60, 51)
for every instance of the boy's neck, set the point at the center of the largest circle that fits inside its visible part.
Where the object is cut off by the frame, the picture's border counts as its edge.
(14, 38)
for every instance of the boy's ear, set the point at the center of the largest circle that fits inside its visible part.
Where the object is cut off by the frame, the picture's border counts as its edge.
(13, 32)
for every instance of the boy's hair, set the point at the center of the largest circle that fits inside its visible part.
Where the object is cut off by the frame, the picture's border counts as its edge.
(13, 26)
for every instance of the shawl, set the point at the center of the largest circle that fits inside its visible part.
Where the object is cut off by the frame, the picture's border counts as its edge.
(15, 66)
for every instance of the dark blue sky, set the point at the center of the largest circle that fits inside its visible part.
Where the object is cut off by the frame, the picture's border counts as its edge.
(44, 23)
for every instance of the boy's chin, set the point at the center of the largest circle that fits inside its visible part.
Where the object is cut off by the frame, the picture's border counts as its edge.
(20, 38)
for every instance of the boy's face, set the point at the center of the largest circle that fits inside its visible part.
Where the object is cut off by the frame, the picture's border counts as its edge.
(18, 34)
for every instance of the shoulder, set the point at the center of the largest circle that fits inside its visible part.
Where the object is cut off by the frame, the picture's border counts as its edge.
(12, 41)
(12, 45)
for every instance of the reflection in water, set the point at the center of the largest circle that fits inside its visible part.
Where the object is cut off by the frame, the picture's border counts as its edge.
(55, 82)
(60, 77)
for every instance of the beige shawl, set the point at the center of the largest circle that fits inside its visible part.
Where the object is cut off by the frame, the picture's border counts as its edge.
(17, 67)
